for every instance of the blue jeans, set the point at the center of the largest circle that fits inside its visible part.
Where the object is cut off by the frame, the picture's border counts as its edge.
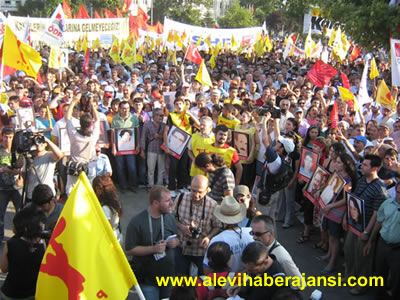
(5, 197)
(152, 292)
(182, 263)
(141, 166)
(126, 169)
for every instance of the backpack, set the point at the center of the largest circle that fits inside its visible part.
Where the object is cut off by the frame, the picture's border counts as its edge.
(272, 183)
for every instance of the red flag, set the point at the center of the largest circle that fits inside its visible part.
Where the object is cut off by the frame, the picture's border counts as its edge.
(67, 9)
(142, 14)
(193, 54)
(82, 13)
(334, 115)
(160, 27)
(119, 14)
(355, 53)
(133, 27)
(126, 6)
(86, 62)
(321, 73)
(96, 14)
(108, 14)
(345, 81)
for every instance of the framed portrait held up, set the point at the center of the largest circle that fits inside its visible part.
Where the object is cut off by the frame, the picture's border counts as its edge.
(177, 141)
(308, 164)
(241, 142)
(103, 138)
(314, 187)
(355, 213)
(124, 140)
(26, 118)
(333, 187)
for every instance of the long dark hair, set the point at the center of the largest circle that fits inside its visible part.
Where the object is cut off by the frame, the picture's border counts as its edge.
(307, 138)
(106, 192)
(350, 169)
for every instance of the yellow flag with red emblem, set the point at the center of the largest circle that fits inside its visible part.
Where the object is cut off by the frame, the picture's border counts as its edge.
(383, 95)
(84, 260)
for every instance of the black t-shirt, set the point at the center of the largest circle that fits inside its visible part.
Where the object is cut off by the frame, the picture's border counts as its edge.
(146, 268)
(23, 268)
(265, 292)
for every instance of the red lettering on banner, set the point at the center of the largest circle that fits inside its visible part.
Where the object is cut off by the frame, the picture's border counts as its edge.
(58, 265)
(101, 294)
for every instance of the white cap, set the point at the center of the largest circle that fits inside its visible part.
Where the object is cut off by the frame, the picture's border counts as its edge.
(287, 144)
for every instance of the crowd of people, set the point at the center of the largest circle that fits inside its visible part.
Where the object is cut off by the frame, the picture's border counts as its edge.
(224, 166)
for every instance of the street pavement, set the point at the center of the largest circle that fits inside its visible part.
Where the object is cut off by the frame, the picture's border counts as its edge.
(304, 255)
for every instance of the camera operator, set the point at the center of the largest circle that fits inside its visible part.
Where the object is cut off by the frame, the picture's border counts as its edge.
(7, 178)
(277, 151)
(83, 141)
(43, 166)
(196, 223)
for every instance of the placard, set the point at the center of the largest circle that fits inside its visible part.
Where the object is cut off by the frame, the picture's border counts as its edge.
(314, 187)
(333, 187)
(64, 141)
(124, 140)
(308, 164)
(355, 214)
(103, 140)
(177, 141)
(26, 118)
(241, 142)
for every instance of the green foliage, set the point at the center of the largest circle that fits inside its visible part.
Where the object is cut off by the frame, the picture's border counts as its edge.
(186, 14)
(237, 17)
(370, 23)
(208, 19)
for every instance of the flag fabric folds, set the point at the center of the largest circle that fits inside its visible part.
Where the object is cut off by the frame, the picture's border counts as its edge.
(193, 54)
(19, 55)
(355, 53)
(84, 259)
(383, 95)
(82, 13)
(395, 60)
(345, 81)
(67, 9)
(202, 75)
(321, 73)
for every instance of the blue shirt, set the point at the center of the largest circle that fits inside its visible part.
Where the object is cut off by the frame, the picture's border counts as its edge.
(389, 216)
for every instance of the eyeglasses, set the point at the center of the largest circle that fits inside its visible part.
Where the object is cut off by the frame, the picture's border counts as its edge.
(258, 234)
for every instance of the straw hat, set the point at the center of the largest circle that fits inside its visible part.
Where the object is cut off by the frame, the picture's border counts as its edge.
(230, 211)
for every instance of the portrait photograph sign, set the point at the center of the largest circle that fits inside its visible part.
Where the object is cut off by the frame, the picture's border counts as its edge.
(355, 214)
(314, 187)
(124, 140)
(177, 141)
(103, 138)
(65, 143)
(333, 187)
(26, 118)
(241, 142)
(169, 98)
(308, 164)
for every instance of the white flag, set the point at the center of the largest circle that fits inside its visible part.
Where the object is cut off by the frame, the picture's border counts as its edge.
(363, 96)
(395, 57)
(54, 32)
(2, 27)
(27, 34)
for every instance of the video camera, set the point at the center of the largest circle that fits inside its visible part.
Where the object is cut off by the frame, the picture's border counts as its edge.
(26, 141)
(275, 112)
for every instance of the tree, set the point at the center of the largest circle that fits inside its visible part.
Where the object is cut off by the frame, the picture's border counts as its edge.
(208, 20)
(189, 14)
(370, 23)
(237, 17)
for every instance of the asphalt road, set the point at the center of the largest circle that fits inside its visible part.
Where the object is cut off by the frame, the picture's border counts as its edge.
(304, 255)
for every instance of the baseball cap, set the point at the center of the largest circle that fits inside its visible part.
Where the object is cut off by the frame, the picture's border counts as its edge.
(287, 144)
(20, 86)
(361, 138)
(386, 125)
(109, 89)
(140, 90)
(241, 190)
(376, 104)
(298, 109)
(147, 76)
(185, 85)
(189, 68)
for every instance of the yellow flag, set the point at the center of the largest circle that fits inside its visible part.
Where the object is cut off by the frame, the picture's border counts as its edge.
(4, 99)
(127, 55)
(114, 51)
(233, 42)
(78, 47)
(208, 41)
(308, 44)
(373, 73)
(202, 75)
(170, 37)
(20, 56)
(332, 38)
(71, 269)
(347, 95)
(337, 47)
(383, 96)
(55, 58)
(173, 58)
(268, 43)
(96, 44)
(84, 44)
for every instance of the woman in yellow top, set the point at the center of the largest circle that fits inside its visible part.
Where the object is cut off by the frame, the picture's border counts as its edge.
(246, 147)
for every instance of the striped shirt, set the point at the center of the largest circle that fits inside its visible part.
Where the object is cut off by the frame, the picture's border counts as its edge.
(224, 181)
(147, 137)
(373, 193)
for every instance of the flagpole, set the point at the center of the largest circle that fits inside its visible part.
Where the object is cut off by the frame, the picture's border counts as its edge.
(139, 291)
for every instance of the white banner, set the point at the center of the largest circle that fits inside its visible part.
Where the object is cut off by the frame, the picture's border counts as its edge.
(395, 58)
(103, 29)
(245, 35)
(2, 27)
(317, 23)
(54, 32)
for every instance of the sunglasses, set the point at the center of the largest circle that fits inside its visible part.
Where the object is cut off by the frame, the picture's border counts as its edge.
(258, 234)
